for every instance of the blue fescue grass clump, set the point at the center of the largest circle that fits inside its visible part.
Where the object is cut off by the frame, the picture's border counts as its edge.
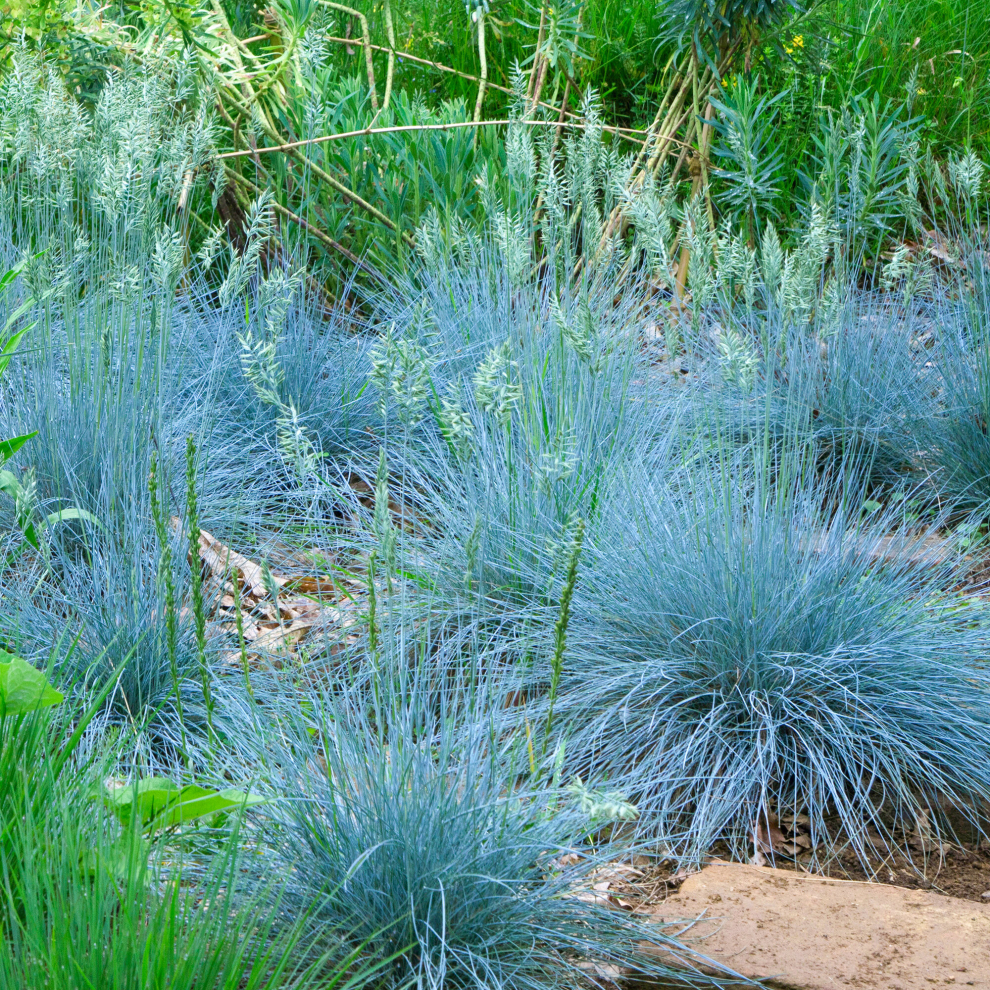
(93, 448)
(848, 390)
(545, 545)
(102, 610)
(274, 398)
(952, 426)
(529, 401)
(742, 653)
(858, 390)
(409, 836)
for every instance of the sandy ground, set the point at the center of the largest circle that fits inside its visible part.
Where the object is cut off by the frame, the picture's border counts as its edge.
(813, 933)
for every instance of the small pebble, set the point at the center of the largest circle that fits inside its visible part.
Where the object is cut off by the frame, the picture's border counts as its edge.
(985, 896)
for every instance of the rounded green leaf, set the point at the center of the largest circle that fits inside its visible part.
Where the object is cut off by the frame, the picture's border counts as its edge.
(24, 688)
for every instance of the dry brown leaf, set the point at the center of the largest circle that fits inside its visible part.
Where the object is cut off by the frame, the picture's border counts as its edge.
(304, 608)
(358, 484)
(591, 897)
(221, 560)
(311, 585)
(235, 658)
(354, 582)
(280, 639)
(603, 973)
(627, 870)
(769, 837)
(266, 610)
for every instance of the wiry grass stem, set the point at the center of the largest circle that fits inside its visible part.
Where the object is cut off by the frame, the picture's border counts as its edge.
(560, 626)
(196, 574)
(167, 577)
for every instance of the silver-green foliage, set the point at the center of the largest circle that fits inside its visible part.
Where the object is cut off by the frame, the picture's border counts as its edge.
(410, 839)
(763, 655)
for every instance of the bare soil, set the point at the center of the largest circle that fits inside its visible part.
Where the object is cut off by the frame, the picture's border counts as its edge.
(795, 930)
(957, 872)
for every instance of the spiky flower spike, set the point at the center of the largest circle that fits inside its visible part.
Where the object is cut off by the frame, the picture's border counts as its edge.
(167, 577)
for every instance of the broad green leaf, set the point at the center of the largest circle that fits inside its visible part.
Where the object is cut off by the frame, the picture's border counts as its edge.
(30, 534)
(67, 515)
(30, 531)
(9, 483)
(8, 349)
(128, 857)
(198, 802)
(15, 316)
(23, 688)
(161, 803)
(149, 797)
(10, 447)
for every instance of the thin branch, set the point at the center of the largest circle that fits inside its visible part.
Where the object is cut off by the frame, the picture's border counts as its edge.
(540, 80)
(320, 235)
(483, 56)
(536, 54)
(390, 34)
(399, 128)
(407, 57)
(366, 44)
(571, 84)
(291, 149)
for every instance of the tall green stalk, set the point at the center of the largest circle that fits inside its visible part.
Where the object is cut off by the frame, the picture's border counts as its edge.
(241, 642)
(196, 571)
(372, 608)
(560, 626)
(166, 576)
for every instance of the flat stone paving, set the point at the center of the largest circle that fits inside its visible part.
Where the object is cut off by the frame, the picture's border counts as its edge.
(818, 934)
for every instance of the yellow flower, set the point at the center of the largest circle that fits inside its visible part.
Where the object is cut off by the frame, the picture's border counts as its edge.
(922, 92)
(798, 41)
(790, 51)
